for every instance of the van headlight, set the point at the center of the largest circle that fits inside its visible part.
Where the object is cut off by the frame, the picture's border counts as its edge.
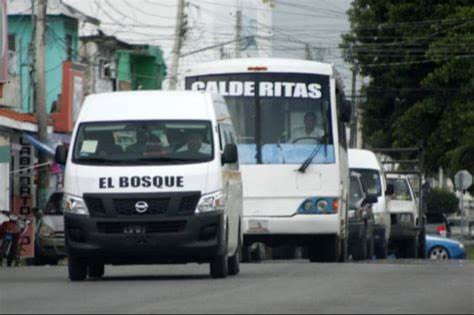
(74, 205)
(210, 202)
(379, 218)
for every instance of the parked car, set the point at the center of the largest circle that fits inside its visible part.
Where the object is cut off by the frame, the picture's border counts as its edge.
(361, 220)
(50, 244)
(442, 248)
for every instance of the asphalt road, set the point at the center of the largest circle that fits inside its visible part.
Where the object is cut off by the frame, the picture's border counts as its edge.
(275, 287)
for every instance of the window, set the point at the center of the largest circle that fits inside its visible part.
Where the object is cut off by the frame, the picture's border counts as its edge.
(69, 48)
(279, 118)
(12, 42)
(144, 142)
(370, 181)
(401, 190)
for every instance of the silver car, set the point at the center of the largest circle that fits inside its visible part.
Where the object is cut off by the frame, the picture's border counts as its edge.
(50, 244)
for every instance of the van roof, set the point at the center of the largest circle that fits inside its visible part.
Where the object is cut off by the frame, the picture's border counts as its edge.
(363, 159)
(149, 105)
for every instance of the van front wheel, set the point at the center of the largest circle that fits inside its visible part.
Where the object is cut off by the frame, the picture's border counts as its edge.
(77, 269)
(219, 267)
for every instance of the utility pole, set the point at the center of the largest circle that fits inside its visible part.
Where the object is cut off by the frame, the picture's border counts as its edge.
(238, 32)
(309, 55)
(353, 143)
(40, 98)
(178, 43)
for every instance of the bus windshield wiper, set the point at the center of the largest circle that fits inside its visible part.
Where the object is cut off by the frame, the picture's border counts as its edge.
(309, 160)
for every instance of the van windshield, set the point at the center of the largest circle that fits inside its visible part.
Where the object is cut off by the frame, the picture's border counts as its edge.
(370, 181)
(144, 142)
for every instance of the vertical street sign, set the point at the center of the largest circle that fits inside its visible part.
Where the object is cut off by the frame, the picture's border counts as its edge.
(462, 182)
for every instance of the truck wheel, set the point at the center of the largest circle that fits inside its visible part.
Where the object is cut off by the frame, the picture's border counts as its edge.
(219, 267)
(258, 253)
(77, 269)
(370, 248)
(245, 254)
(409, 248)
(359, 249)
(96, 270)
(381, 247)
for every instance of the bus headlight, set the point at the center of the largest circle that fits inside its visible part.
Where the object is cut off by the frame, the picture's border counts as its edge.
(74, 205)
(210, 202)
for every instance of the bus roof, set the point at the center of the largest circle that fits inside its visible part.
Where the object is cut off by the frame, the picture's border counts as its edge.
(261, 65)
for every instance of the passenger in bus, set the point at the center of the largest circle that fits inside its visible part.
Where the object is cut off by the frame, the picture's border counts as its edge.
(195, 146)
(310, 133)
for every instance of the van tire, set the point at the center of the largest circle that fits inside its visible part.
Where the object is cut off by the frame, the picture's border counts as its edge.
(234, 264)
(77, 269)
(96, 270)
(219, 267)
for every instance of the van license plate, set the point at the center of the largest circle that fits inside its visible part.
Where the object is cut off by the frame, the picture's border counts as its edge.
(134, 229)
(258, 226)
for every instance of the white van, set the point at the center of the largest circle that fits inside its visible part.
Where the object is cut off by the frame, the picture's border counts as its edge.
(152, 177)
(403, 208)
(366, 163)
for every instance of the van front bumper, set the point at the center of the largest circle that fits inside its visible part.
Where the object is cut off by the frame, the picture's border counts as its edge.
(179, 239)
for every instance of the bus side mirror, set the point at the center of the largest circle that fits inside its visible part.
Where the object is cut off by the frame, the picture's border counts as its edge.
(390, 190)
(230, 155)
(61, 155)
(346, 113)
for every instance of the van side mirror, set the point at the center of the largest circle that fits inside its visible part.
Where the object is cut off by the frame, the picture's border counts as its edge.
(230, 155)
(346, 113)
(370, 199)
(61, 154)
(390, 190)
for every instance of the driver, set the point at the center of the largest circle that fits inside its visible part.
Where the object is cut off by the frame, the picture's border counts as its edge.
(308, 134)
(195, 145)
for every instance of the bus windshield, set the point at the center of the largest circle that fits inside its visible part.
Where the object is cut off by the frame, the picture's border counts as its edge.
(279, 117)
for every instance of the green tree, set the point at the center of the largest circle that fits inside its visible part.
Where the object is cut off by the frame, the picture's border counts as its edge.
(419, 56)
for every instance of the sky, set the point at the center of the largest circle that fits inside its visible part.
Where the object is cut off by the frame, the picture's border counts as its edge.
(294, 23)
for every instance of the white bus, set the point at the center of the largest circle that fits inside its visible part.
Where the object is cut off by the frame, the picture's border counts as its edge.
(289, 118)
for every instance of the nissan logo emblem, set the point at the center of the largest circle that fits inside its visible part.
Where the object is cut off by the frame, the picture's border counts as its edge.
(141, 207)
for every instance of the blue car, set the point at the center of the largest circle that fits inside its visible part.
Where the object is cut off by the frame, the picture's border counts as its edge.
(441, 248)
